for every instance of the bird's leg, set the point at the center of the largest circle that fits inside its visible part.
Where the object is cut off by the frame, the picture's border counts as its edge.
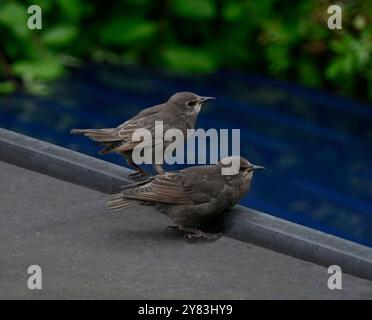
(196, 233)
(159, 168)
(139, 171)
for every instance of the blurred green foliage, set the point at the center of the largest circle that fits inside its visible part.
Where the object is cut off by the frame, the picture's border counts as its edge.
(285, 39)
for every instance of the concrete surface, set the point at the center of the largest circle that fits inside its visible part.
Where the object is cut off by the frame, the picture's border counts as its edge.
(86, 252)
(242, 223)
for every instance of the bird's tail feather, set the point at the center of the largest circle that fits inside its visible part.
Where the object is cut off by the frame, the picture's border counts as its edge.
(83, 131)
(100, 135)
(117, 202)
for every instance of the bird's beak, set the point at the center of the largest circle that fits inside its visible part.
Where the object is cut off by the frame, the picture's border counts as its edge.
(205, 99)
(255, 168)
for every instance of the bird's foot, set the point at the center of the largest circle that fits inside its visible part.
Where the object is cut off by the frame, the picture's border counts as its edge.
(196, 233)
(207, 236)
(138, 174)
(172, 228)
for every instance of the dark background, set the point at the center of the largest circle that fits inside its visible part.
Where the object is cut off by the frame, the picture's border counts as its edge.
(285, 39)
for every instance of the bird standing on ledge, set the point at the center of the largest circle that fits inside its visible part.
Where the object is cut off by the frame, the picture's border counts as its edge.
(191, 196)
(179, 112)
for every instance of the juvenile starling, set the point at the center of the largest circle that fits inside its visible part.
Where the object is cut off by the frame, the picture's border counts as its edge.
(191, 196)
(179, 112)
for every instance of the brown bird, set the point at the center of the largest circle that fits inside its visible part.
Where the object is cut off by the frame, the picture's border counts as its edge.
(191, 196)
(179, 112)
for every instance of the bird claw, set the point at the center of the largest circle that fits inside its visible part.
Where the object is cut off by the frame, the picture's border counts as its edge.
(193, 233)
(137, 174)
(208, 236)
(172, 228)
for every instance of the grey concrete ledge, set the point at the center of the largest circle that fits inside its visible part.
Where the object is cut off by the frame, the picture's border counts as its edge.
(61, 163)
(241, 223)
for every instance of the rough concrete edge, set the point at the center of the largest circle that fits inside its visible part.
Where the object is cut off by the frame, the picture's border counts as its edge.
(241, 223)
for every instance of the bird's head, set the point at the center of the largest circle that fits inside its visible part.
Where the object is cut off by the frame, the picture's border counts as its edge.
(237, 169)
(188, 101)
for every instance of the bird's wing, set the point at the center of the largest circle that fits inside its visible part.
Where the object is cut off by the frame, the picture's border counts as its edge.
(143, 120)
(128, 128)
(202, 186)
(174, 188)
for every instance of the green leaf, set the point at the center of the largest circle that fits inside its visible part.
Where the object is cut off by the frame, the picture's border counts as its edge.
(189, 60)
(194, 9)
(49, 69)
(128, 31)
(14, 16)
(71, 9)
(60, 35)
(309, 74)
(278, 58)
(232, 11)
(7, 87)
(340, 67)
(334, 69)
(45, 5)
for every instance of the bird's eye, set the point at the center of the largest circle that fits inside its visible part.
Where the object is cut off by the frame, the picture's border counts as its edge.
(191, 103)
